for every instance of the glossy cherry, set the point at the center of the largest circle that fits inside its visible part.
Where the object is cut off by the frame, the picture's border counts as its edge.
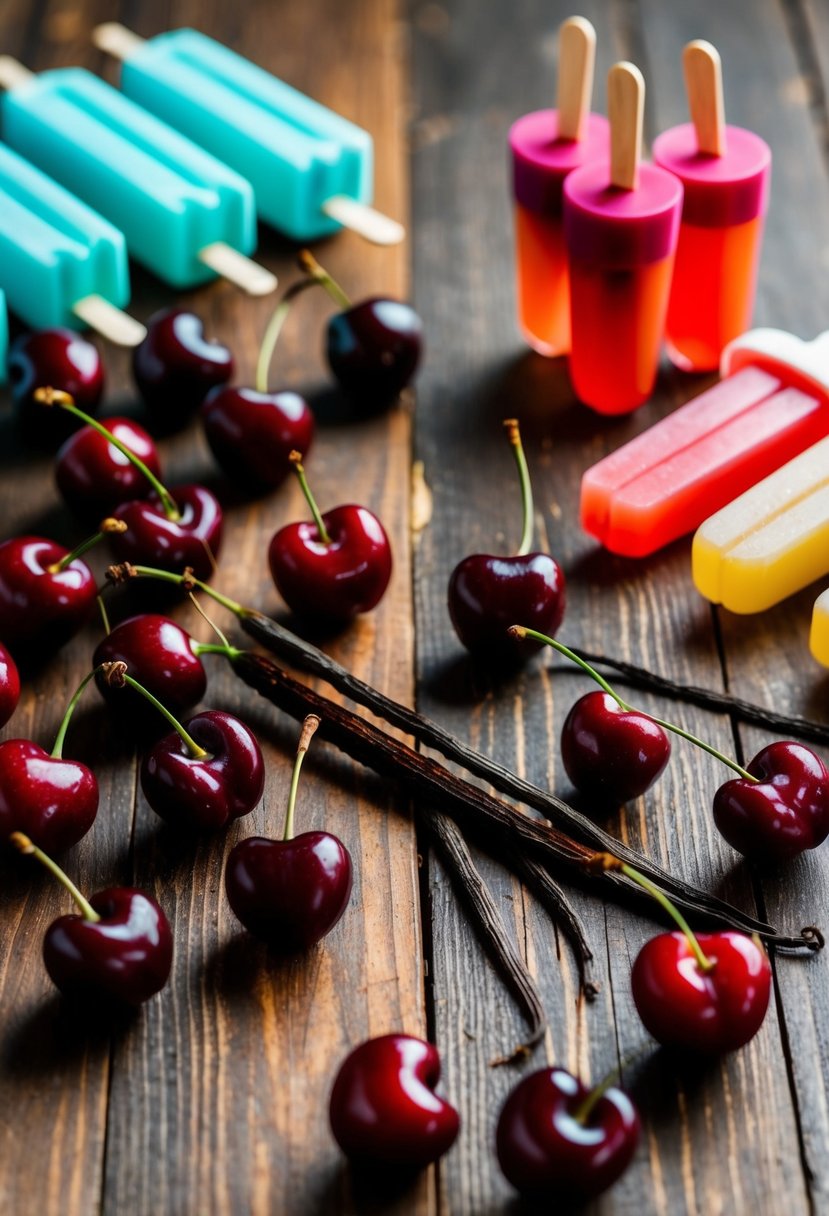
(611, 753)
(93, 476)
(561, 1141)
(161, 656)
(334, 568)
(384, 1108)
(488, 594)
(63, 359)
(783, 812)
(9, 685)
(175, 368)
(290, 892)
(206, 786)
(118, 950)
(253, 433)
(46, 594)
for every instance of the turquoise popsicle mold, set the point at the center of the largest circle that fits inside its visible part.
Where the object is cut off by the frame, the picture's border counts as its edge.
(296, 152)
(54, 250)
(169, 197)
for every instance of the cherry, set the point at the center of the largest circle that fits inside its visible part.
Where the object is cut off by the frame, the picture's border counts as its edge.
(610, 752)
(487, 594)
(290, 892)
(161, 656)
(334, 568)
(252, 433)
(175, 368)
(373, 348)
(61, 358)
(51, 799)
(94, 476)
(9, 685)
(119, 949)
(782, 811)
(383, 1106)
(558, 1139)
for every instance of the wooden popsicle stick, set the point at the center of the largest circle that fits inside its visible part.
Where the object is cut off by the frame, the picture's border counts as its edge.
(116, 40)
(359, 217)
(119, 327)
(625, 110)
(703, 83)
(229, 264)
(13, 73)
(576, 58)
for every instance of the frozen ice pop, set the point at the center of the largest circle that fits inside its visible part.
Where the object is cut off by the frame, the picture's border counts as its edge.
(545, 146)
(620, 223)
(184, 214)
(772, 404)
(725, 172)
(61, 264)
(771, 541)
(311, 169)
(819, 635)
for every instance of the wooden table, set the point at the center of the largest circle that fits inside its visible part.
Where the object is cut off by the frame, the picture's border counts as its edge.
(213, 1099)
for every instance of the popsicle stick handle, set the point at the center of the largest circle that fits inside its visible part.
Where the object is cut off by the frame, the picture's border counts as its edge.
(116, 40)
(576, 58)
(119, 327)
(625, 110)
(703, 83)
(359, 217)
(13, 73)
(229, 264)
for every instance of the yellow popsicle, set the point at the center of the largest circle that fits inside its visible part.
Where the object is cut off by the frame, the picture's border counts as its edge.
(819, 636)
(771, 541)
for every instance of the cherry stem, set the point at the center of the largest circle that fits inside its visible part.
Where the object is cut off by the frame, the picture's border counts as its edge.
(311, 266)
(225, 647)
(296, 460)
(521, 631)
(274, 329)
(104, 614)
(309, 727)
(116, 676)
(109, 527)
(117, 574)
(230, 652)
(607, 861)
(26, 847)
(583, 1112)
(514, 436)
(57, 750)
(55, 396)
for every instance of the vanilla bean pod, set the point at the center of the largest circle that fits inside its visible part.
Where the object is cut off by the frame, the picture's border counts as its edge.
(485, 817)
(497, 941)
(303, 655)
(704, 698)
(551, 897)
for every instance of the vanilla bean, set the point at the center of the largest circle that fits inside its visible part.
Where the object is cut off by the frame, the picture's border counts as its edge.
(483, 816)
(578, 827)
(551, 897)
(497, 941)
(704, 698)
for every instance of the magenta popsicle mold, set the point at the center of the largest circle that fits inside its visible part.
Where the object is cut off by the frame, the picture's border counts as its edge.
(719, 190)
(617, 228)
(541, 161)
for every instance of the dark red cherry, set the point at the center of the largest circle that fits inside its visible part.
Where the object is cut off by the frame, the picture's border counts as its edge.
(53, 800)
(64, 360)
(384, 1108)
(781, 814)
(252, 434)
(554, 1143)
(9, 685)
(175, 368)
(332, 581)
(124, 957)
(152, 538)
(205, 792)
(94, 477)
(41, 606)
(707, 1011)
(610, 753)
(373, 349)
(488, 594)
(160, 655)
